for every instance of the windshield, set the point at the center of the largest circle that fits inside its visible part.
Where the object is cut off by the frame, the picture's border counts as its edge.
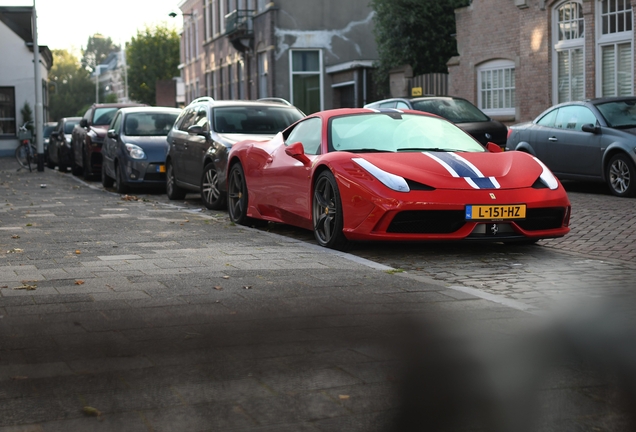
(103, 116)
(68, 127)
(392, 132)
(455, 110)
(619, 113)
(254, 119)
(149, 124)
(46, 132)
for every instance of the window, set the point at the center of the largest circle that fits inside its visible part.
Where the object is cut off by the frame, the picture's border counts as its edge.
(221, 82)
(496, 85)
(615, 70)
(7, 111)
(308, 133)
(568, 49)
(239, 72)
(306, 80)
(230, 81)
(262, 75)
(262, 4)
(574, 117)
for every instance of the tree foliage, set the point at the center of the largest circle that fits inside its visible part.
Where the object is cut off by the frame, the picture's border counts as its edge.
(97, 49)
(72, 90)
(152, 55)
(415, 32)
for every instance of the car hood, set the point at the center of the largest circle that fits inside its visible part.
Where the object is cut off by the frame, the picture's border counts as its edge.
(100, 130)
(461, 170)
(232, 138)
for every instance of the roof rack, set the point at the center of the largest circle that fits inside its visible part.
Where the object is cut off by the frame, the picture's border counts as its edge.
(203, 99)
(275, 100)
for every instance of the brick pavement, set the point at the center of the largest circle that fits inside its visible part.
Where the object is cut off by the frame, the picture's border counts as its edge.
(164, 317)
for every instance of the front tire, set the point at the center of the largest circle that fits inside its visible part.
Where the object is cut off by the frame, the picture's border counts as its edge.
(327, 213)
(621, 175)
(173, 191)
(237, 196)
(120, 185)
(212, 196)
(107, 182)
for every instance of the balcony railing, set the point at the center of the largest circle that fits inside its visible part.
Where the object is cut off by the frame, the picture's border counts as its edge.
(239, 21)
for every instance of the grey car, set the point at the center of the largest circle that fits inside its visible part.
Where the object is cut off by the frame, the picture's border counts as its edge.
(591, 140)
(464, 114)
(135, 147)
(203, 135)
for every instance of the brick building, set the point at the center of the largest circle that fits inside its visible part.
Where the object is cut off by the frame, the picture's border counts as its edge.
(317, 55)
(519, 57)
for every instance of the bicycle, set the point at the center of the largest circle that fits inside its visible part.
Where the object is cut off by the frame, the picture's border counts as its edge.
(26, 151)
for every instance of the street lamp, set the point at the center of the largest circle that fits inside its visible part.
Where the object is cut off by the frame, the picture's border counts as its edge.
(174, 14)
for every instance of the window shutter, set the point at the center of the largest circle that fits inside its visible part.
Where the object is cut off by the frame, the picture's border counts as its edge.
(608, 83)
(624, 69)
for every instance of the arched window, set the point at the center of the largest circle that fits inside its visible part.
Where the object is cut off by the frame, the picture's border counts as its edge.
(614, 68)
(496, 87)
(568, 55)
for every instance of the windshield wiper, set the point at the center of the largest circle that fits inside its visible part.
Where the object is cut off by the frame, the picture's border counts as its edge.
(366, 150)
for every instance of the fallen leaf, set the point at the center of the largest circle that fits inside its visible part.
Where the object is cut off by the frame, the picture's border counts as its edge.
(15, 236)
(89, 410)
(248, 287)
(233, 313)
(218, 287)
(343, 397)
(129, 198)
(4, 286)
(226, 277)
(79, 282)
(19, 377)
(15, 250)
(77, 251)
(26, 287)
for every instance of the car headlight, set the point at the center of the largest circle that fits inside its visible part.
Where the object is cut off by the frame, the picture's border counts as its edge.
(389, 180)
(546, 176)
(135, 151)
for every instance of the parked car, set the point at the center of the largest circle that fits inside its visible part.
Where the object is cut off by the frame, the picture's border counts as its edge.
(461, 112)
(88, 137)
(59, 149)
(399, 175)
(592, 140)
(135, 147)
(47, 128)
(204, 133)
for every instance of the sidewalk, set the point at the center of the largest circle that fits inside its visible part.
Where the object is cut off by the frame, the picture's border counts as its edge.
(120, 314)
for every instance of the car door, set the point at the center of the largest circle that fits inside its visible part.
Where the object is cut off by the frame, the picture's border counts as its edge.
(291, 191)
(178, 143)
(196, 146)
(109, 149)
(570, 150)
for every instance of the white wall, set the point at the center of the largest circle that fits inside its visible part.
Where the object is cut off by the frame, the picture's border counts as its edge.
(16, 70)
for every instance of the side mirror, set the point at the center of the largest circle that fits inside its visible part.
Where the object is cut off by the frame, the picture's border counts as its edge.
(111, 134)
(197, 130)
(590, 128)
(83, 123)
(493, 148)
(297, 151)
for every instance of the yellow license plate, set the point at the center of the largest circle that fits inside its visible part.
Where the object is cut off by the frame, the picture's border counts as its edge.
(487, 212)
(161, 168)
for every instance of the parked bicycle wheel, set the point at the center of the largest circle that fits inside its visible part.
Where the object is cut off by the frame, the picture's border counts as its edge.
(25, 157)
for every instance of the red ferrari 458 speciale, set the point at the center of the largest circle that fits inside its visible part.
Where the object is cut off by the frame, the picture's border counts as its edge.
(364, 174)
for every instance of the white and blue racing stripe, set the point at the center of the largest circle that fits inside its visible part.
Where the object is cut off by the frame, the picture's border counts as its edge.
(457, 166)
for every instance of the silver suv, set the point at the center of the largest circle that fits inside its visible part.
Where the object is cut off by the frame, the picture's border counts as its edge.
(201, 138)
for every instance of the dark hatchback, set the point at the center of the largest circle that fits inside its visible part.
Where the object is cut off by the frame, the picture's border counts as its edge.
(464, 114)
(135, 147)
(59, 152)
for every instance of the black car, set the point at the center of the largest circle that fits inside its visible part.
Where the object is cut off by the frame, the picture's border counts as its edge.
(593, 140)
(135, 147)
(464, 114)
(59, 149)
(202, 136)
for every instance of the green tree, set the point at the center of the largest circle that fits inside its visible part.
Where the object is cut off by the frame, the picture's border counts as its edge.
(414, 32)
(97, 49)
(72, 89)
(152, 55)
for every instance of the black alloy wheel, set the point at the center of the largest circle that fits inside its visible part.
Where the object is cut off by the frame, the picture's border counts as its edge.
(107, 182)
(173, 191)
(237, 195)
(212, 196)
(61, 165)
(327, 213)
(621, 175)
(120, 184)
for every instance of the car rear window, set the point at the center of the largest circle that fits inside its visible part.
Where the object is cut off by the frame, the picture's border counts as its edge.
(253, 119)
(455, 110)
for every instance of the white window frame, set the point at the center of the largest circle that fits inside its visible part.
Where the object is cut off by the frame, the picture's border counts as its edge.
(320, 71)
(566, 45)
(495, 65)
(603, 40)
